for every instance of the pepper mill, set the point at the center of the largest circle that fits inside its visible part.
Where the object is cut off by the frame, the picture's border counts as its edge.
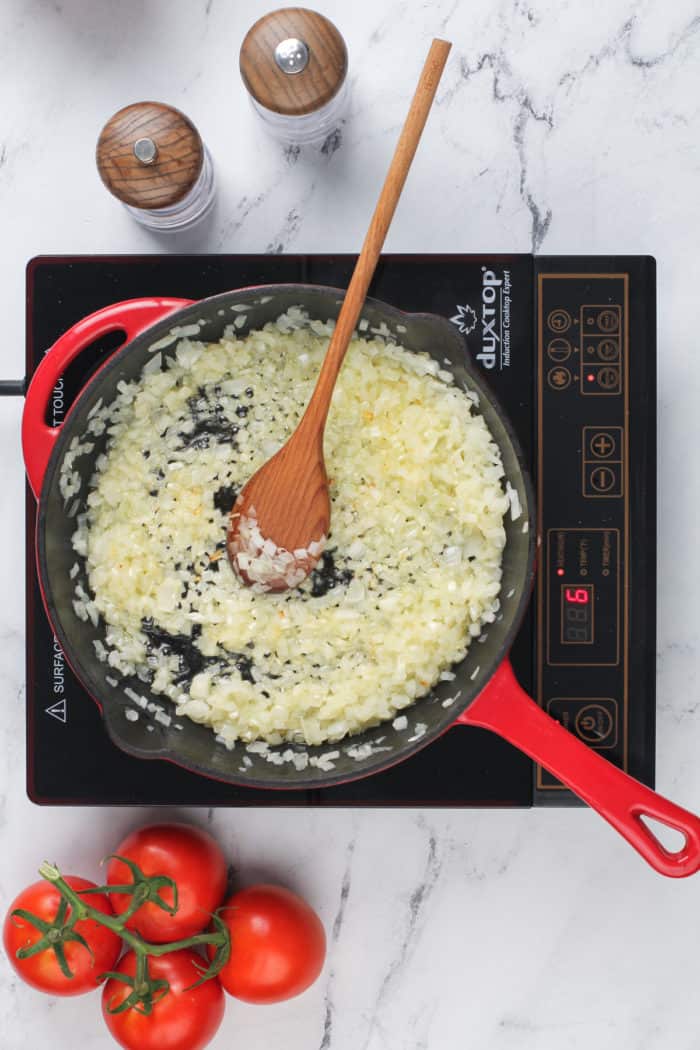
(151, 157)
(294, 64)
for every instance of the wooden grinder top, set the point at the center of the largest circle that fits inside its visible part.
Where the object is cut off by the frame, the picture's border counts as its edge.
(149, 155)
(305, 80)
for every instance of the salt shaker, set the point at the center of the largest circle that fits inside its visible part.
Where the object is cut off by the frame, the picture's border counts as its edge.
(294, 64)
(151, 157)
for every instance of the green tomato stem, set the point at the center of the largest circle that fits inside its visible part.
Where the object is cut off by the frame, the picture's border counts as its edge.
(188, 942)
(141, 978)
(142, 948)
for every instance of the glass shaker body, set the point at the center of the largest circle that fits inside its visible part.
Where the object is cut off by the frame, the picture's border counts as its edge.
(186, 212)
(309, 129)
(151, 158)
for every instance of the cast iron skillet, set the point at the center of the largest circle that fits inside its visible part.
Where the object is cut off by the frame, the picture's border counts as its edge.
(484, 691)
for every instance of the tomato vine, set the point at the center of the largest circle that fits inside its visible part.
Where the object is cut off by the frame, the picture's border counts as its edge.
(73, 908)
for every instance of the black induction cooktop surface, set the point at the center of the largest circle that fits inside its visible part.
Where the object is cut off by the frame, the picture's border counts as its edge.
(569, 345)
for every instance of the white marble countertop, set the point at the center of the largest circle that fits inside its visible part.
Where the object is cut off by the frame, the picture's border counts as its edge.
(560, 126)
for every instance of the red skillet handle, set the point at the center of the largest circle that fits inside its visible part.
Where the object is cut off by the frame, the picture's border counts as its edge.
(504, 707)
(132, 317)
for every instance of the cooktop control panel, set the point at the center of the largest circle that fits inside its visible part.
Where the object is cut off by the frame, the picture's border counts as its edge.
(583, 493)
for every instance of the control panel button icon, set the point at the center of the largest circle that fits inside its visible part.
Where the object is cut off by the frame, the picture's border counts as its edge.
(559, 378)
(602, 445)
(608, 350)
(594, 720)
(608, 378)
(608, 320)
(559, 320)
(602, 480)
(559, 349)
(594, 724)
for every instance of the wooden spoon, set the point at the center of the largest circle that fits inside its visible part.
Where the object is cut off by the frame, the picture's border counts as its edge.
(280, 521)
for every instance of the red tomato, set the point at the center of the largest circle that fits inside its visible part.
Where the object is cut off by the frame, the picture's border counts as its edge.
(278, 945)
(42, 971)
(181, 1020)
(189, 856)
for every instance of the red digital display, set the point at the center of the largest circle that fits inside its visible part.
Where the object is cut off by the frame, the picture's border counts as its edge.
(577, 614)
(582, 596)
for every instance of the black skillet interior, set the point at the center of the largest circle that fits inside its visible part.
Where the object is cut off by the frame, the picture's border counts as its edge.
(194, 746)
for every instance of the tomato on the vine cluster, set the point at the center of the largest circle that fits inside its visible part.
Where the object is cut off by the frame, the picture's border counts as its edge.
(188, 856)
(278, 945)
(42, 971)
(163, 902)
(186, 1018)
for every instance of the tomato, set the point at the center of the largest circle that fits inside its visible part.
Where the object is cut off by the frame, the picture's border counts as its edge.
(278, 945)
(42, 971)
(189, 856)
(180, 1020)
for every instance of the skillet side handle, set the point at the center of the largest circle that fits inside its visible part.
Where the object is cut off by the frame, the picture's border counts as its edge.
(13, 387)
(132, 317)
(506, 709)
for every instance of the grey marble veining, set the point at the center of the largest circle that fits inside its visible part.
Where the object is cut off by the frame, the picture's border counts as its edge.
(559, 127)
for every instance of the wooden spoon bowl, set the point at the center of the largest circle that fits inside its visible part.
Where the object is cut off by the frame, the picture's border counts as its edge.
(294, 478)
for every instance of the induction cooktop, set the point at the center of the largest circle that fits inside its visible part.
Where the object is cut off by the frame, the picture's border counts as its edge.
(569, 345)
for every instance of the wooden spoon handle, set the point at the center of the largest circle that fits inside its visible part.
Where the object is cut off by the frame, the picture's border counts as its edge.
(376, 234)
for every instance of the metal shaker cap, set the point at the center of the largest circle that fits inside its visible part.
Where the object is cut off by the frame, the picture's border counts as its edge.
(293, 61)
(292, 56)
(149, 155)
